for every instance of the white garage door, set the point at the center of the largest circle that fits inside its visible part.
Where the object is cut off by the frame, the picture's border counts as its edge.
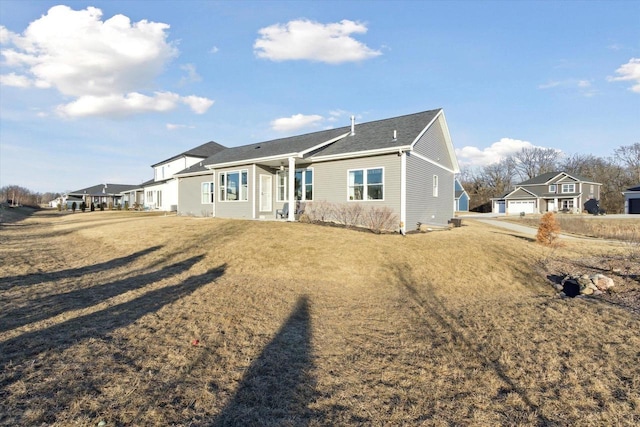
(526, 206)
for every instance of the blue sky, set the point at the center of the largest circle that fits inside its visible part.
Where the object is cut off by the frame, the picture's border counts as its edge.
(98, 91)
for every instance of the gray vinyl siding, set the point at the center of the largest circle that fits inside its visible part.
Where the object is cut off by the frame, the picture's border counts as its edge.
(422, 206)
(331, 180)
(432, 144)
(190, 196)
(239, 208)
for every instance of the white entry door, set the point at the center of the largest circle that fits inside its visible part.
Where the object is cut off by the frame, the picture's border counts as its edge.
(265, 193)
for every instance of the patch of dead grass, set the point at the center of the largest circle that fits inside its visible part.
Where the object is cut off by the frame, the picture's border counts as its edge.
(299, 325)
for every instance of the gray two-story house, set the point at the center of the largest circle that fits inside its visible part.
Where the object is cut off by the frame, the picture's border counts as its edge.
(549, 192)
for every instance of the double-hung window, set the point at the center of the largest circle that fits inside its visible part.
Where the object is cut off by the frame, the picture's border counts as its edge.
(366, 184)
(568, 188)
(233, 186)
(552, 188)
(207, 192)
(303, 185)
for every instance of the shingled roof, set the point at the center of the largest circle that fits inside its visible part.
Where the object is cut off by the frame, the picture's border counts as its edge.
(203, 151)
(546, 177)
(103, 190)
(369, 136)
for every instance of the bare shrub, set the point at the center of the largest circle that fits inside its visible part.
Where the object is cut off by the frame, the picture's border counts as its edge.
(379, 219)
(321, 211)
(548, 230)
(348, 214)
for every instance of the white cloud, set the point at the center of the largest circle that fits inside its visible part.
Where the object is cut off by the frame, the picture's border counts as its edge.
(473, 156)
(118, 105)
(103, 64)
(295, 122)
(214, 49)
(14, 80)
(629, 72)
(308, 40)
(197, 104)
(173, 126)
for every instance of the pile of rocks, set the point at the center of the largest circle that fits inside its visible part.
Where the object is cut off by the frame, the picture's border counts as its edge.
(574, 285)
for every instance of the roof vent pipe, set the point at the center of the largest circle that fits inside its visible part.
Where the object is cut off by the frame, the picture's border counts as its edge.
(395, 135)
(353, 125)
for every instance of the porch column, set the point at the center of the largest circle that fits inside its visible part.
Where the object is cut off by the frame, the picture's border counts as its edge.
(292, 189)
(555, 205)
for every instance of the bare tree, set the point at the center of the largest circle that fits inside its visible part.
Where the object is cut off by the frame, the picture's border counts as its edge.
(534, 161)
(629, 156)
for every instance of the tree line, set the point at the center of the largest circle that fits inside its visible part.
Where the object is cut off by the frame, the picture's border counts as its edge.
(616, 173)
(19, 196)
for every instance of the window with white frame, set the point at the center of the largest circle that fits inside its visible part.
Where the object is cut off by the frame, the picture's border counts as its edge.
(366, 184)
(233, 186)
(552, 188)
(303, 185)
(208, 190)
(568, 188)
(435, 185)
(567, 204)
(149, 196)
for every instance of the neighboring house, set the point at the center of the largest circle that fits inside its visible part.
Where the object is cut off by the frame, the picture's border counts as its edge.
(405, 163)
(162, 191)
(632, 200)
(461, 197)
(549, 192)
(109, 194)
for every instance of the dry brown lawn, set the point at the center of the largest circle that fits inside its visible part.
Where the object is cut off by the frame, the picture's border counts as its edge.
(299, 324)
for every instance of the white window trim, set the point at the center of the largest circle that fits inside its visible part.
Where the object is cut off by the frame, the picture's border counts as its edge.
(436, 185)
(210, 193)
(226, 181)
(553, 188)
(573, 188)
(365, 194)
(303, 184)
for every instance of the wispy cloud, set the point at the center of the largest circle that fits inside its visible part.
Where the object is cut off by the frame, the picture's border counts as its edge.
(296, 122)
(629, 72)
(313, 41)
(583, 86)
(474, 156)
(104, 65)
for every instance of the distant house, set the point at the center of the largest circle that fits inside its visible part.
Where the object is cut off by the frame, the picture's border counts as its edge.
(632, 200)
(404, 163)
(109, 194)
(461, 197)
(549, 192)
(161, 192)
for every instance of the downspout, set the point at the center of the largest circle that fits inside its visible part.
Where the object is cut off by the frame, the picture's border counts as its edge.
(403, 192)
(292, 189)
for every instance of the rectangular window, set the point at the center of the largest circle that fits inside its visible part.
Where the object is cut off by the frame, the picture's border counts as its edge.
(567, 204)
(568, 188)
(435, 185)
(233, 186)
(207, 192)
(552, 188)
(303, 185)
(366, 184)
(149, 196)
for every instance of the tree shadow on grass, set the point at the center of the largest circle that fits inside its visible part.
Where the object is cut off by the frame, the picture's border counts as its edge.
(278, 386)
(16, 352)
(437, 311)
(53, 305)
(36, 278)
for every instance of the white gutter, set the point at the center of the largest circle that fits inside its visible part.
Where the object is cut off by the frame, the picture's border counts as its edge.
(387, 150)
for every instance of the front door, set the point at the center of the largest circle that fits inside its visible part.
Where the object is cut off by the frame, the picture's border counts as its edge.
(265, 193)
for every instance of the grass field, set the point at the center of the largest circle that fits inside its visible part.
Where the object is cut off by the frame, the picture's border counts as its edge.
(299, 324)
